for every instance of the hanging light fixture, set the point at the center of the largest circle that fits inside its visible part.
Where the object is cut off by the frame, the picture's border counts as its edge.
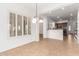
(40, 21)
(34, 20)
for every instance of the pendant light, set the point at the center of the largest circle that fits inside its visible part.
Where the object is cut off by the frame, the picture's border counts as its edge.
(34, 20)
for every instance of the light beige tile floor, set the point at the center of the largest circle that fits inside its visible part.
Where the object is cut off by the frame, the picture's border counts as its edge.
(45, 47)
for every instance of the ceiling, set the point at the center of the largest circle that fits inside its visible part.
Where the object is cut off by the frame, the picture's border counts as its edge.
(49, 9)
(42, 8)
(62, 13)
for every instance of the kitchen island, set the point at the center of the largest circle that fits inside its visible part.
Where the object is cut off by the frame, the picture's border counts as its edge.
(55, 34)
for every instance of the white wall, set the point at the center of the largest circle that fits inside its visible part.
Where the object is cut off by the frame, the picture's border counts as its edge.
(45, 27)
(78, 26)
(7, 42)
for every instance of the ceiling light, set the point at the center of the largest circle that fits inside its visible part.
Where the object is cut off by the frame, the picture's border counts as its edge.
(34, 20)
(41, 21)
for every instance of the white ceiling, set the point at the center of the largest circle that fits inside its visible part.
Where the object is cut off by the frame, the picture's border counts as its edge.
(42, 8)
(62, 13)
(46, 8)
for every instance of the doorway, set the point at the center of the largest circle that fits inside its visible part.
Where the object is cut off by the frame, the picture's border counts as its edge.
(41, 30)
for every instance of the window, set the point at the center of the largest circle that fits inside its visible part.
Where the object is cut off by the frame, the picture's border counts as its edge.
(12, 24)
(19, 25)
